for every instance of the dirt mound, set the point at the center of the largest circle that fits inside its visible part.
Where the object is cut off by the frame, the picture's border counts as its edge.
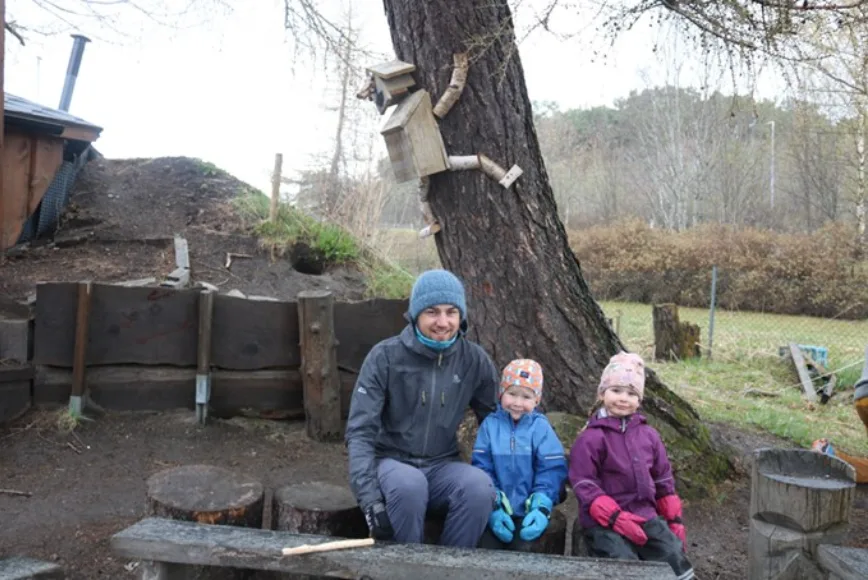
(121, 220)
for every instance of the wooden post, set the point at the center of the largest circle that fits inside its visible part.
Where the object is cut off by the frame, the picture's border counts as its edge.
(319, 368)
(799, 500)
(203, 356)
(79, 357)
(275, 186)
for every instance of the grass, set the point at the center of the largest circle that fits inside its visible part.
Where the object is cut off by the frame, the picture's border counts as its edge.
(745, 356)
(384, 278)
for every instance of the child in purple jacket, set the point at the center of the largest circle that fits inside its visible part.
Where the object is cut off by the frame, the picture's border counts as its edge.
(628, 508)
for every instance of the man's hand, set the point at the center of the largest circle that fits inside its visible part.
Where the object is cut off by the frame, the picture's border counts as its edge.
(378, 522)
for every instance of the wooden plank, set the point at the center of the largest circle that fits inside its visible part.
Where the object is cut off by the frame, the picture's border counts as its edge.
(23, 568)
(203, 356)
(127, 325)
(14, 340)
(46, 159)
(10, 374)
(135, 388)
(804, 377)
(80, 134)
(844, 563)
(15, 187)
(361, 325)
(319, 367)
(15, 399)
(203, 544)
(254, 334)
(391, 69)
(54, 323)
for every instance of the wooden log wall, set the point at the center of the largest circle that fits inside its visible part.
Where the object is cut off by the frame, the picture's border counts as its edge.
(142, 349)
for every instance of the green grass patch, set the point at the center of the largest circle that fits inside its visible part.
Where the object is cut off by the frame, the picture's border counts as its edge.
(384, 277)
(745, 357)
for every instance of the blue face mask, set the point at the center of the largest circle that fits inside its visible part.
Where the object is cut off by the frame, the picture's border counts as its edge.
(437, 345)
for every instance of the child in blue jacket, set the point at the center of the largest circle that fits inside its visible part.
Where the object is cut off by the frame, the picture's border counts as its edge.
(517, 447)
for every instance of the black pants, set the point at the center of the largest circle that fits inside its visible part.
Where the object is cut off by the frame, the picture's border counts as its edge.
(662, 546)
(489, 541)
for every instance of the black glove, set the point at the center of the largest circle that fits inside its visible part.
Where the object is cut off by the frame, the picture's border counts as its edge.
(378, 522)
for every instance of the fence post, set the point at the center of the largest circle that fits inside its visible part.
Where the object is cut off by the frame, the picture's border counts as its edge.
(711, 310)
(275, 185)
(319, 365)
(203, 356)
(79, 357)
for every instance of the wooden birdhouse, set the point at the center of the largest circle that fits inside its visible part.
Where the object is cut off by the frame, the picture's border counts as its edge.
(392, 81)
(413, 139)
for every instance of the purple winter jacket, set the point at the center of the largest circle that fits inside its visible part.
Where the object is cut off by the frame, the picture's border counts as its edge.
(623, 458)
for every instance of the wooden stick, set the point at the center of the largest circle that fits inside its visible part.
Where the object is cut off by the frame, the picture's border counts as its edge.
(456, 85)
(79, 358)
(328, 546)
(275, 186)
(15, 492)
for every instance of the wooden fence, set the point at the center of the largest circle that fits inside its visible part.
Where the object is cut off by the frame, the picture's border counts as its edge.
(138, 348)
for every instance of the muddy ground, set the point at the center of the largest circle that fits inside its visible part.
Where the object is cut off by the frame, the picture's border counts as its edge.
(121, 220)
(80, 498)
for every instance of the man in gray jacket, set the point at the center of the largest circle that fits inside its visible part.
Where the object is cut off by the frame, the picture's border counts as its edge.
(408, 401)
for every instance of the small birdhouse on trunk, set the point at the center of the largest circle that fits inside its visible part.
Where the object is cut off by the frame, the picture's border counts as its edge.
(413, 139)
(391, 82)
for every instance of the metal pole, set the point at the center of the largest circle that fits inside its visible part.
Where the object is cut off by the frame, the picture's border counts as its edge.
(772, 168)
(72, 70)
(711, 310)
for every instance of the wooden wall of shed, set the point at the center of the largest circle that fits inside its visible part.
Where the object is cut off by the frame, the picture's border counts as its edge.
(29, 165)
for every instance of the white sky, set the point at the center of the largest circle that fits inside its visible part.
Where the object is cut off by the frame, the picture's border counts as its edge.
(225, 90)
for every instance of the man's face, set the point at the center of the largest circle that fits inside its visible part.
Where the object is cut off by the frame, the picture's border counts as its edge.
(439, 322)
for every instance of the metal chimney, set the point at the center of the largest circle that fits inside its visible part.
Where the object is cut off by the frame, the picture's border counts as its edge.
(72, 70)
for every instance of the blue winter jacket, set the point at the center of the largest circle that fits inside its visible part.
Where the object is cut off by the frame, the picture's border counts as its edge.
(521, 458)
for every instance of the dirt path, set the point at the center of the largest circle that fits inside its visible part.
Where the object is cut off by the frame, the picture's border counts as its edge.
(80, 499)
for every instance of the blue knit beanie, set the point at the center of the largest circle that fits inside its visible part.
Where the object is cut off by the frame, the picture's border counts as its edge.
(437, 287)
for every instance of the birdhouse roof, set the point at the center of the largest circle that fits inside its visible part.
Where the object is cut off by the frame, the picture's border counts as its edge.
(405, 110)
(393, 68)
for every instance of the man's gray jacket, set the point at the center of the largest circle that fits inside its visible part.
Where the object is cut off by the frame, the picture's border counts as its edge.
(408, 402)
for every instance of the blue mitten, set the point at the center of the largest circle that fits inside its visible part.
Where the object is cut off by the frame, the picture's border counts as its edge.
(500, 520)
(539, 508)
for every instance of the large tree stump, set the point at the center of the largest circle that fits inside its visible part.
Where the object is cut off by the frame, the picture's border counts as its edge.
(553, 540)
(206, 494)
(799, 500)
(318, 508)
(319, 366)
(209, 495)
(674, 340)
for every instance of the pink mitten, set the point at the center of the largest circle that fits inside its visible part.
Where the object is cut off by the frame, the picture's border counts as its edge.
(609, 514)
(670, 508)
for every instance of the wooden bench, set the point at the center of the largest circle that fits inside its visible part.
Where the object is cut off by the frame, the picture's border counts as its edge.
(21, 568)
(843, 563)
(165, 547)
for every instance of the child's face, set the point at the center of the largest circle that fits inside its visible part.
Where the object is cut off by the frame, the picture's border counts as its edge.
(518, 402)
(620, 401)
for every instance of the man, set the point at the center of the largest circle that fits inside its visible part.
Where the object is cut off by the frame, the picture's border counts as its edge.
(408, 401)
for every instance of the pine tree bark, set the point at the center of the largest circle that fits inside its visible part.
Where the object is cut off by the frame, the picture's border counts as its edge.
(526, 293)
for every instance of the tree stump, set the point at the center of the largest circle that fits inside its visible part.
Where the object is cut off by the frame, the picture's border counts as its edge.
(553, 540)
(206, 494)
(674, 340)
(318, 508)
(799, 500)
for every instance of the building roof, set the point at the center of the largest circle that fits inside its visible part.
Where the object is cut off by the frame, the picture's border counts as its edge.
(52, 120)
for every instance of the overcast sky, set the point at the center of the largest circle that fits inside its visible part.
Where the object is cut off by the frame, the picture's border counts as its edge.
(222, 86)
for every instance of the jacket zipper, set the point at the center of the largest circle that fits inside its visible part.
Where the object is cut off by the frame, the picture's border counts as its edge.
(431, 407)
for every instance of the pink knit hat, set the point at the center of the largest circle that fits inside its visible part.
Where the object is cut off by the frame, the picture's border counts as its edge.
(624, 370)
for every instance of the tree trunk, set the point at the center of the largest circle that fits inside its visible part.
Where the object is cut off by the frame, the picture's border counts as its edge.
(526, 293)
